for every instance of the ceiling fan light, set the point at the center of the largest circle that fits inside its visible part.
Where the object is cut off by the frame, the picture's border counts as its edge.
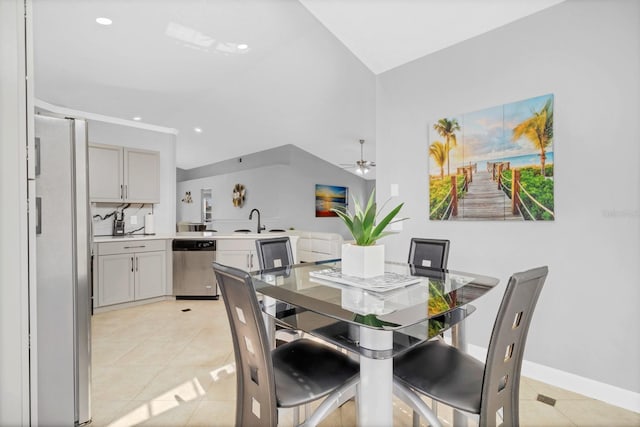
(363, 166)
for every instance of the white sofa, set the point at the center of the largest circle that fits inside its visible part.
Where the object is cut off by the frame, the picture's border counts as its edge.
(317, 246)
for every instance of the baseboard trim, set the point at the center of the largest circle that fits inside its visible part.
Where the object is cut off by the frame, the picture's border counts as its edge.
(613, 395)
(97, 310)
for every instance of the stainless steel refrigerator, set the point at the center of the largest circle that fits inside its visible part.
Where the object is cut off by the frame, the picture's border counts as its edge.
(63, 245)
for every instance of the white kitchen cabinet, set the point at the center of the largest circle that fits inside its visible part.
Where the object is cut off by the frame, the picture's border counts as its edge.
(141, 176)
(115, 279)
(131, 271)
(106, 173)
(122, 174)
(238, 253)
(149, 274)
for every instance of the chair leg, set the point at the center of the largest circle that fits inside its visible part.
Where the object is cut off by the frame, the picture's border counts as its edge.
(270, 327)
(416, 416)
(347, 396)
(345, 392)
(416, 419)
(413, 400)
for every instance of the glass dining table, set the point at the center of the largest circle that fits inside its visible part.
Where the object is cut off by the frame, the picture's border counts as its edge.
(374, 318)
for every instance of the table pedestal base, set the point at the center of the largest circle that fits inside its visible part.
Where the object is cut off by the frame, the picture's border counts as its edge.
(375, 392)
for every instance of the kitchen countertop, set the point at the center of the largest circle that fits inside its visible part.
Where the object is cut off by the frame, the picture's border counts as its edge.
(208, 235)
(132, 237)
(191, 235)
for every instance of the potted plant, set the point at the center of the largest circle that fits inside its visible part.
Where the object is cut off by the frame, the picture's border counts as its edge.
(365, 258)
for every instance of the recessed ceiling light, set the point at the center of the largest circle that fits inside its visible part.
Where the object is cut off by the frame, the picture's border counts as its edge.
(104, 21)
(243, 46)
(198, 130)
(137, 118)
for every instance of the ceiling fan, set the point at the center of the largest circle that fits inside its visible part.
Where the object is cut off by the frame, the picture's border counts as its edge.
(362, 166)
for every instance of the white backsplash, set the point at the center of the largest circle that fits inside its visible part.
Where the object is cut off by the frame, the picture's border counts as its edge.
(135, 211)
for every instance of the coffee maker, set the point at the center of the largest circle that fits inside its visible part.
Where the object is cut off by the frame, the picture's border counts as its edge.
(118, 224)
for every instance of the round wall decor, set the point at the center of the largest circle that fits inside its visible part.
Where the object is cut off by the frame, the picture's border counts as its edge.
(238, 195)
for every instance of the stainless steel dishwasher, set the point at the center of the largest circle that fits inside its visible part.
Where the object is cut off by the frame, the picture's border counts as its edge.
(193, 276)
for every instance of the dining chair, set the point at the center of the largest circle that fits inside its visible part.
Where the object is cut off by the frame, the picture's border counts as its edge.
(450, 376)
(429, 252)
(288, 376)
(276, 252)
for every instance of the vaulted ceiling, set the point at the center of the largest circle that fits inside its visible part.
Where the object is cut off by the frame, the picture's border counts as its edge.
(249, 74)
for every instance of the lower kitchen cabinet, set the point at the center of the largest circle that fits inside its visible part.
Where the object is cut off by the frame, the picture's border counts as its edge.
(115, 279)
(238, 253)
(130, 271)
(150, 275)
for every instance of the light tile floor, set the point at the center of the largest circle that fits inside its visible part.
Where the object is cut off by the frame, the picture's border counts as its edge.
(171, 364)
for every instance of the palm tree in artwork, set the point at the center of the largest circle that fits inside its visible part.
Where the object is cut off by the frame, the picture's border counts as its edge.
(447, 129)
(438, 152)
(539, 130)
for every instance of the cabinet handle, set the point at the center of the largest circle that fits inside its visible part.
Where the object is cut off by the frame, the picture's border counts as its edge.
(122, 191)
(251, 261)
(137, 263)
(38, 215)
(36, 148)
(131, 247)
(132, 264)
(126, 191)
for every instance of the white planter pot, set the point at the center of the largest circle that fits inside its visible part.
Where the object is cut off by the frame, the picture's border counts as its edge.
(362, 261)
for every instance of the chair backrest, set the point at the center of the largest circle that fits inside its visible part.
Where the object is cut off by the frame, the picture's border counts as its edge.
(274, 252)
(256, 403)
(429, 253)
(501, 382)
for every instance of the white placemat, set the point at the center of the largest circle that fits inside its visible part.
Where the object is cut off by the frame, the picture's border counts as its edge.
(386, 282)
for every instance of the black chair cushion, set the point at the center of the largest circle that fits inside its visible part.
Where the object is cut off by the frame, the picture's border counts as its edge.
(443, 373)
(306, 370)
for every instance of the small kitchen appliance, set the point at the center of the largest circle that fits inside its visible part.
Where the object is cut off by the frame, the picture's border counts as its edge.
(118, 224)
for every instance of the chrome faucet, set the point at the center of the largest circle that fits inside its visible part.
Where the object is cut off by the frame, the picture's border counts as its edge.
(260, 228)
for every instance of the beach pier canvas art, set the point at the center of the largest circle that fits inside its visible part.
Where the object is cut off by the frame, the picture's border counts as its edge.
(494, 164)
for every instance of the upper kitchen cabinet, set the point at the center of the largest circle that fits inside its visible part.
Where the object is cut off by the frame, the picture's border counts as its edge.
(122, 174)
(141, 176)
(106, 173)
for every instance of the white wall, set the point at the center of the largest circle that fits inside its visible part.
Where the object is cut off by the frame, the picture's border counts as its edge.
(14, 285)
(587, 54)
(284, 193)
(261, 185)
(119, 134)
